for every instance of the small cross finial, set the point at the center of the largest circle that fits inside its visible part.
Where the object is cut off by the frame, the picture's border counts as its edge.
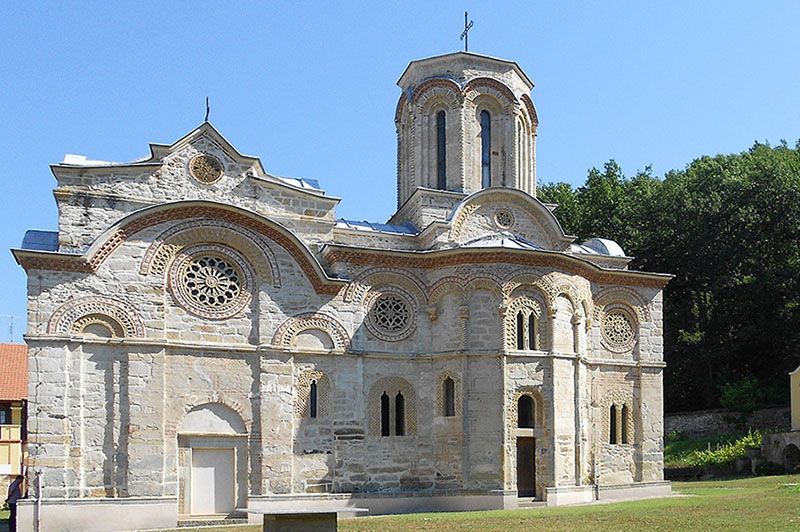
(208, 109)
(465, 33)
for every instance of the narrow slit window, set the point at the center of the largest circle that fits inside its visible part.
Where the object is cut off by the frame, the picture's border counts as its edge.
(312, 400)
(525, 412)
(441, 151)
(532, 332)
(384, 414)
(449, 391)
(520, 331)
(399, 415)
(486, 150)
(624, 424)
(612, 432)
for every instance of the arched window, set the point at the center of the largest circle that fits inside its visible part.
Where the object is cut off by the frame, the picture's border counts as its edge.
(312, 400)
(624, 423)
(525, 412)
(520, 331)
(441, 151)
(612, 432)
(384, 414)
(486, 150)
(449, 392)
(399, 415)
(532, 332)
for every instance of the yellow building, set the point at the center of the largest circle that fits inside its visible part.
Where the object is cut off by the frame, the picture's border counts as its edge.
(13, 402)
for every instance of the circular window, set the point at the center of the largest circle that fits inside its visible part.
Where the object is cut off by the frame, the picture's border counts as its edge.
(617, 329)
(390, 317)
(504, 218)
(205, 168)
(211, 281)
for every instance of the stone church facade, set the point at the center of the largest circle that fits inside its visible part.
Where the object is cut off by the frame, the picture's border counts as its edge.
(205, 336)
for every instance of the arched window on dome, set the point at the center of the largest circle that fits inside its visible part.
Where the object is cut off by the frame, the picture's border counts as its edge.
(486, 149)
(441, 150)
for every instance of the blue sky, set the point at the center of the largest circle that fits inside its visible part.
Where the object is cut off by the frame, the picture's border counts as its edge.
(310, 87)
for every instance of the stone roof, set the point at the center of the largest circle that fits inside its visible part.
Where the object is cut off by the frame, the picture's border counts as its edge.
(14, 374)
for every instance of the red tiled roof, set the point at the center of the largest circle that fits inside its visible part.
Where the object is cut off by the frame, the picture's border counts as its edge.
(13, 372)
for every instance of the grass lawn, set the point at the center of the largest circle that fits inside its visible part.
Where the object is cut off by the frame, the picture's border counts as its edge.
(748, 504)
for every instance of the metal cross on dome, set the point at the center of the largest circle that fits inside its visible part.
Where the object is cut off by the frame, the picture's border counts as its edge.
(465, 33)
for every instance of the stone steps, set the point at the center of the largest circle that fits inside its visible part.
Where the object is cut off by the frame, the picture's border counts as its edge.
(525, 503)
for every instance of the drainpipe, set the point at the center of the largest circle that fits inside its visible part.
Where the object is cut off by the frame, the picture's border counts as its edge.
(37, 519)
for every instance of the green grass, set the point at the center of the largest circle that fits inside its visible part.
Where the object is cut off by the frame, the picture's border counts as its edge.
(676, 452)
(748, 504)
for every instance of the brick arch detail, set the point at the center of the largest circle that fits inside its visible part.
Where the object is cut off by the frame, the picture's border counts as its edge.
(121, 313)
(204, 230)
(291, 327)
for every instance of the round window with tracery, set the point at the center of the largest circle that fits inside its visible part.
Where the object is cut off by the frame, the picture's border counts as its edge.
(504, 218)
(211, 281)
(205, 168)
(390, 317)
(618, 329)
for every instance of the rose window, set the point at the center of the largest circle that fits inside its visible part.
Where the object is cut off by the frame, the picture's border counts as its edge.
(213, 282)
(618, 329)
(390, 317)
(205, 168)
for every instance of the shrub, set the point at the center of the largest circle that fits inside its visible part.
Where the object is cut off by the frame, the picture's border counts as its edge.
(725, 454)
(769, 468)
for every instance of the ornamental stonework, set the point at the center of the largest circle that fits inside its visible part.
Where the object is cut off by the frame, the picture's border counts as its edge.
(391, 385)
(211, 281)
(205, 168)
(74, 316)
(289, 329)
(504, 219)
(390, 317)
(302, 406)
(457, 403)
(617, 328)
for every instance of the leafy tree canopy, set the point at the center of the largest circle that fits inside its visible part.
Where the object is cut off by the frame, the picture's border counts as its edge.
(728, 228)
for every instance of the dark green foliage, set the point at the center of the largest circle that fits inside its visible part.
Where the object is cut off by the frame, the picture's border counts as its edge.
(728, 228)
(742, 397)
(768, 469)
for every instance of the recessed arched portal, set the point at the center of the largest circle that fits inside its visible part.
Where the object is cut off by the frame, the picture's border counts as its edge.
(212, 445)
(791, 458)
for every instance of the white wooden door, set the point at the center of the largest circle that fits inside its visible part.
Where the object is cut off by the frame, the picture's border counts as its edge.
(212, 481)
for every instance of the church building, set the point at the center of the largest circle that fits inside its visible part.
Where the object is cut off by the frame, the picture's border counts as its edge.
(205, 336)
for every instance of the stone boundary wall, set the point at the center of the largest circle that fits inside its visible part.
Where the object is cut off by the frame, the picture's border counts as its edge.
(708, 422)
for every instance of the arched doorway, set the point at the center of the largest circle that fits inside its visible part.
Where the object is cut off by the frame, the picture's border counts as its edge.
(790, 458)
(212, 445)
